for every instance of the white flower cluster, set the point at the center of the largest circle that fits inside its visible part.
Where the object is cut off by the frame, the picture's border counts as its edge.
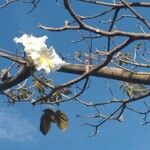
(42, 56)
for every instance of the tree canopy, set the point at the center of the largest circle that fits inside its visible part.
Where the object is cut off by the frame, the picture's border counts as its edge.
(107, 62)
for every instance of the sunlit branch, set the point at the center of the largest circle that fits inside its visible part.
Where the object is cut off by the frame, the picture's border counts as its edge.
(23, 74)
(12, 57)
(111, 73)
(117, 5)
(83, 26)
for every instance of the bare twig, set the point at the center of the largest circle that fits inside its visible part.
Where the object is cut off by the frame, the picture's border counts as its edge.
(8, 2)
(136, 14)
(119, 5)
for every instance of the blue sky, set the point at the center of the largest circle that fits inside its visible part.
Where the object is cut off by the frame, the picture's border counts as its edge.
(19, 123)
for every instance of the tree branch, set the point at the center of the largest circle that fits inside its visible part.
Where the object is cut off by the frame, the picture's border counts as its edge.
(7, 3)
(84, 26)
(117, 5)
(110, 73)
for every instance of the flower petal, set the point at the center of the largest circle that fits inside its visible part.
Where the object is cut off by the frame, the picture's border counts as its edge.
(42, 57)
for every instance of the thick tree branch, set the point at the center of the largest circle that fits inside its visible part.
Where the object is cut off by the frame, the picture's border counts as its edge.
(105, 72)
(110, 73)
(23, 74)
(13, 57)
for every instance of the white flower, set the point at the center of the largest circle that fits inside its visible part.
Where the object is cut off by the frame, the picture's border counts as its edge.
(47, 59)
(42, 57)
(32, 43)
